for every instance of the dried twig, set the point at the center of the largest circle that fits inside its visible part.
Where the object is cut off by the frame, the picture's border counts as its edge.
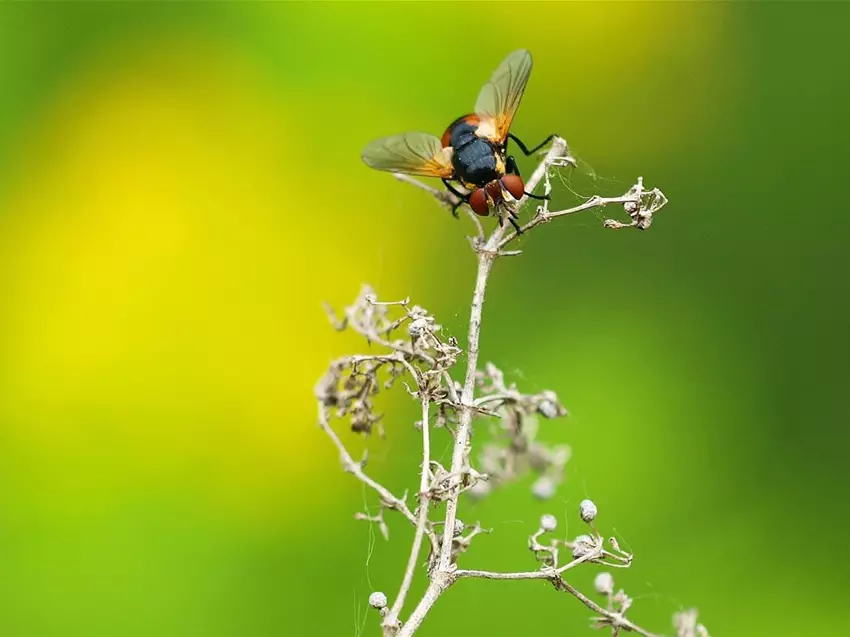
(416, 348)
(391, 620)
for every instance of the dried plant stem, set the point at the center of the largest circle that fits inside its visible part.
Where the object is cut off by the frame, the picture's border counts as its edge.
(391, 620)
(444, 574)
(459, 452)
(487, 254)
(546, 216)
(550, 573)
(356, 470)
(428, 357)
(617, 620)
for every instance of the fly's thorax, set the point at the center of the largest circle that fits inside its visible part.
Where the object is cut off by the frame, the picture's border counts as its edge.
(461, 131)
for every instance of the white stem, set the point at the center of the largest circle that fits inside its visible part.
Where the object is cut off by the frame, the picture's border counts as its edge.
(464, 428)
(593, 202)
(541, 574)
(617, 619)
(436, 588)
(391, 620)
(443, 576)
(355, 469)
(446, 573)
(486, 255)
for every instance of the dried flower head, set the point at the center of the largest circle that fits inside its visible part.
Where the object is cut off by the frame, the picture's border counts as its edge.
(583, 545)
(377, 600)
(544, 488)
(686, 625)
(587, 510)
(548, 522)
(515, 449)
(604, 583)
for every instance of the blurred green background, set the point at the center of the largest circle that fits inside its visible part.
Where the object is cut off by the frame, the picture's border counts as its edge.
(181, 187)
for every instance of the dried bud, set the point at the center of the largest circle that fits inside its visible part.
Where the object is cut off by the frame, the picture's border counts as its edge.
(543, 488)
(378, 600)
(686, 624)
(417, 326)
(623, 601)
(587, 510)
(549, 407)
(548, 522)
(326, 389)
(604, 583)
(459, 526)
(630, 207)
(582, 545)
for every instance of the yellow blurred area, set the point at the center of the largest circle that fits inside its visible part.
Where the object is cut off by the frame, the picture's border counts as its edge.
(163, 267)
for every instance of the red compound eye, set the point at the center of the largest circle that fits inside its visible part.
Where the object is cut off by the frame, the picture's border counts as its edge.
(513, 184)
(478, 202)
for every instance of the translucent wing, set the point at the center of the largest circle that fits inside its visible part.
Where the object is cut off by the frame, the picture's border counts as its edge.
(411, 153)
(499, 99)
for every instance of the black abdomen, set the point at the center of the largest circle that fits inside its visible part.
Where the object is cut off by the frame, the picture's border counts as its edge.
(475, 162)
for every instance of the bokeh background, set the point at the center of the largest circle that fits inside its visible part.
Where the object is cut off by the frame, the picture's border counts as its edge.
(181, 188)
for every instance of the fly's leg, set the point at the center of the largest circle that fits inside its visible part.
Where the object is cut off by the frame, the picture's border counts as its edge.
(538, 197)
(464, 198)
(455, 207)
(511, 215)
(453, 190)
(523, 147)
(510, 162)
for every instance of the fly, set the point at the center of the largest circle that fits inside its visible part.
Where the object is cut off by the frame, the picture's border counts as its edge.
(473, 150)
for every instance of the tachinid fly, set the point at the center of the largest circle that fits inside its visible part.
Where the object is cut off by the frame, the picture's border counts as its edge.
(473, 150)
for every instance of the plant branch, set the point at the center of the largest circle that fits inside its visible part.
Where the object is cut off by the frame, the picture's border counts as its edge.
(391, 621)
(639, 203)
(612, 618)
(616, 620)
(544, 573)
(356, 469)
(545, 217)
(428, 358)
(487, 254)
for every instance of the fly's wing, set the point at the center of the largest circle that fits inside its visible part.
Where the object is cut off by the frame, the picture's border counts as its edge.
(411, 153)
(499, 99)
